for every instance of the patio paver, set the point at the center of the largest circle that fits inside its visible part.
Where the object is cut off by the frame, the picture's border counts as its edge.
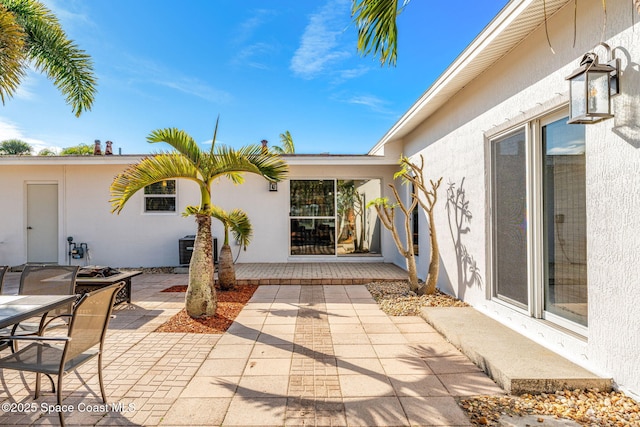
(297, 355)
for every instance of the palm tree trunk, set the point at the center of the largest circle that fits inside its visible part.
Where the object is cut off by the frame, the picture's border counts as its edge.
(200, 300)
(226, 270)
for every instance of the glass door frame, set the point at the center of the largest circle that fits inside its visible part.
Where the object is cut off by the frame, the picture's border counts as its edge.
(492, 290)
(535, 241)
(540, 243)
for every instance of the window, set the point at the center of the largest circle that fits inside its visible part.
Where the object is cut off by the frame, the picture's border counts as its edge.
(160, 197)
(539, 239)
(312, 212)
(330, 217)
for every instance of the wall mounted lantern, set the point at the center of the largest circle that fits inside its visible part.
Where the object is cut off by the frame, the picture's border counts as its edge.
(591, 87)
(273, 186)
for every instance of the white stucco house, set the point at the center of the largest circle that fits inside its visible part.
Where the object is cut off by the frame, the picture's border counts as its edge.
(57, 197)
(537, 218)
(540, 227)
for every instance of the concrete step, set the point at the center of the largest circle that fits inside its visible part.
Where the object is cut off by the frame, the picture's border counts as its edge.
(516, 363)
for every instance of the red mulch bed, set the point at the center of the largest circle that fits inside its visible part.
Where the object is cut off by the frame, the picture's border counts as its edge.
(230, 303)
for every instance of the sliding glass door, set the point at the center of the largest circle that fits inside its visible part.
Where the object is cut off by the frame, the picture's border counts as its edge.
(331, 217)
(565, 221)
(539, 221)
(510, 218)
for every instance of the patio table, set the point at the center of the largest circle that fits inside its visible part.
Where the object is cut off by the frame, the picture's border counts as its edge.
(88, 284)
(17, 308)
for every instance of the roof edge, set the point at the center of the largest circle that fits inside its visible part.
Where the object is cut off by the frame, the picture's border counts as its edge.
(499, 23)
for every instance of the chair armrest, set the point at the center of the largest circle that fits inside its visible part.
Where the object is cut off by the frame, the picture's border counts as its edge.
(41, 328)
(33, 338)
(54, 318)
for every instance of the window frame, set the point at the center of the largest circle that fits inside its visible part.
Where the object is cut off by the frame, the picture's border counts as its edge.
(376, 240)
(173, 195)
(310, 216)
(532, 123)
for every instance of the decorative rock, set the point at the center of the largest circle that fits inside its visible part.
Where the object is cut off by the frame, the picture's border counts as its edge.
(591, 408)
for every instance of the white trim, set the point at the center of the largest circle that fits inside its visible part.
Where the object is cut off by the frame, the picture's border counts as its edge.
(540, 248)
(173, 196)
(537, 220)
(493, 294)
(554, 319)
(531, 121)
(531, 210)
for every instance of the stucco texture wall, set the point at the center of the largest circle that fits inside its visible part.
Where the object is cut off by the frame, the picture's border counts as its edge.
(453, 143)
(138, 239)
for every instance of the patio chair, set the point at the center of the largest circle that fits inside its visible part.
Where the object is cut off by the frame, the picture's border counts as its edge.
(3, 269)
(46, 280)
(52, 355)
(5, 331)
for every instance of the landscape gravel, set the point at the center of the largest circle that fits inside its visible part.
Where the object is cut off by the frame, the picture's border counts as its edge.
(591, 408)
(396, 299)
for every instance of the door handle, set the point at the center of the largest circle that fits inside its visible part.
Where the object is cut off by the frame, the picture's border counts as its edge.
(29, 228)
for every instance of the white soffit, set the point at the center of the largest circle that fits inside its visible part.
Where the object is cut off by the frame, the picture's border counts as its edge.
(514, 23)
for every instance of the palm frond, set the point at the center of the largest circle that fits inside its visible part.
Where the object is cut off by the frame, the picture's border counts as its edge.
(51, 52)
(269, 165)
(287, 146)
(241, 227)
(215, 136)
(180, 141)
(229, 163)
(237, 221)
(233, 163)
(377, 28)
(149, 171)
(11, 64)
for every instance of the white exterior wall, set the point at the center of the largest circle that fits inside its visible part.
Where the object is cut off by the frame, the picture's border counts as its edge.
(454, 146)
(137, 239)
(131, 239)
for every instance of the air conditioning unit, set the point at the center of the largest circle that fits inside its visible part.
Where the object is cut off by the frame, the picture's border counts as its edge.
(185, 249)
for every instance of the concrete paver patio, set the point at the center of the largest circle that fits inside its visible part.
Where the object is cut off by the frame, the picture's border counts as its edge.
(297, 355)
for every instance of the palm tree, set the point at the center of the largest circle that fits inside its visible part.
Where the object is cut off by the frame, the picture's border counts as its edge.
(375, 21)
(238, 222)
(15, 147)
(12, 41)
(287, 144)
(30, 34)
(188, 161)
(77, 150)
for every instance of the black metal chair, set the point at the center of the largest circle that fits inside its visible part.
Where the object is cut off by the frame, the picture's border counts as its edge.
(52, 355)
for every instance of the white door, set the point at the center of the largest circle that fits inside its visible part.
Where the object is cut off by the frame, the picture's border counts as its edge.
(42, 223)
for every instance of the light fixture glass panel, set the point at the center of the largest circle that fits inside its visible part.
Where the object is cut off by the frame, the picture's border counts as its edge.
(578, 93)
(598, 92)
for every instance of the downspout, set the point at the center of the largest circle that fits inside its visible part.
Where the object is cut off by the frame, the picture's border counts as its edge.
(62, 216)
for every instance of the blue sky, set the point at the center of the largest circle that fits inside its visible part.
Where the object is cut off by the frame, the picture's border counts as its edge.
(264, 66)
